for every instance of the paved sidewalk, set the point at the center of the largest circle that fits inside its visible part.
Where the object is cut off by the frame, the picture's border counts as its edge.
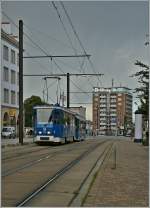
(14, 142)
(125, 186)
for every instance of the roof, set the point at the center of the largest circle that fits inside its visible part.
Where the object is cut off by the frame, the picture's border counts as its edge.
(9, 39)
(59, 108)
(112, 90)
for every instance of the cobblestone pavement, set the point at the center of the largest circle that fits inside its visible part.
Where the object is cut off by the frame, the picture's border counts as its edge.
(125, 186)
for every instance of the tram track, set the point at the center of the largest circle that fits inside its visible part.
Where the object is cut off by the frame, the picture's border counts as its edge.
(60, 173)
(40, 158)
(23, 154)
(34, 162)
(80, 195)
(19, 154)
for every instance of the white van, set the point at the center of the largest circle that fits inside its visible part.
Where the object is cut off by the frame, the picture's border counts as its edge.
(9, 132)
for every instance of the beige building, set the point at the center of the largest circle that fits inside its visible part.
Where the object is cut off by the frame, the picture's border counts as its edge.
(112, 110)
(80, 110)
(9, 78)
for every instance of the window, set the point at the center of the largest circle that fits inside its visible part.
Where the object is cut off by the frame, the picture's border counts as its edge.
(5, 53)
(43, 115)
(6, 74)
(6, 95)
(12, 56)
(13, 74)
(13, 97)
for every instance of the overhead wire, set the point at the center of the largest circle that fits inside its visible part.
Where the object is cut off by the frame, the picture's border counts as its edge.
(38, 62)
(37, 45)
(66, 32)
(64, 73)
(30, 29)
(78, 38)
(64, 63)
(73, 28)
(50, 98)
(48, 36)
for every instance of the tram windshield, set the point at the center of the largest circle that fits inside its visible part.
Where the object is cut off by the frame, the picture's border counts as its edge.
(43, 115)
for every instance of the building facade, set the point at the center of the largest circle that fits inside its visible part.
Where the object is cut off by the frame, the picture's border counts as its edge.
(112, 110)
(80, 110)
(9, 80)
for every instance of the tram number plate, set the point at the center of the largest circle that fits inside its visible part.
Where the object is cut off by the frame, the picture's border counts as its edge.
(44, 138)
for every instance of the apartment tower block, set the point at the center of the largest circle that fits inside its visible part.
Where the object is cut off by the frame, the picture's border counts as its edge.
(112, 110)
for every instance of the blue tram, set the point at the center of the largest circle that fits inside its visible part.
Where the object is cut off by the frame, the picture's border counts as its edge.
(57, 125)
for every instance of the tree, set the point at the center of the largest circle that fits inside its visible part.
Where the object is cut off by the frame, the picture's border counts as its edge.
(143, 90)
(143, 95)
(28, 108)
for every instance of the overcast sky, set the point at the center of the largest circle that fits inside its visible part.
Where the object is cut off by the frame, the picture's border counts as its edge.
(112, 32)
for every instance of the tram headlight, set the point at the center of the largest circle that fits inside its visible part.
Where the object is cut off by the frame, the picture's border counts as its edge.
(40, 132)
(48, 132)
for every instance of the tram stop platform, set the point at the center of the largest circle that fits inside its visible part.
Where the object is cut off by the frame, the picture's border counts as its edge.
(123, 185)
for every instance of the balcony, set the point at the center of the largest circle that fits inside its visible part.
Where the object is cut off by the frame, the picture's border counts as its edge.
(113, 114)
(102, 102)
(113, 105)
(103, 106)
(102, 114)
(102, 96)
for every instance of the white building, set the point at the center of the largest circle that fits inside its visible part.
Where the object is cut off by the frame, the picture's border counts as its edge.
(9, 78)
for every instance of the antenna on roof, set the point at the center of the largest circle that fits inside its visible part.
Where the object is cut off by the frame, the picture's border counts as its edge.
(112, 83)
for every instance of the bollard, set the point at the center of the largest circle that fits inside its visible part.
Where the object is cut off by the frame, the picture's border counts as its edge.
(115, 159)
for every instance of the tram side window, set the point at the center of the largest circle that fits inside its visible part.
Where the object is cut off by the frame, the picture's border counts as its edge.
(56, 117)
(72, 120)
(34, 118)
(67, 118)
(77, 123)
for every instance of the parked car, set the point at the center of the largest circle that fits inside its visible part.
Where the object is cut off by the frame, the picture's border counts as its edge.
(9, 132)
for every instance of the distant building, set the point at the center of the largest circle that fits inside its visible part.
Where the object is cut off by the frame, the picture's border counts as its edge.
(9, 78)
(112, 110)
(80, 110)
(89, 127)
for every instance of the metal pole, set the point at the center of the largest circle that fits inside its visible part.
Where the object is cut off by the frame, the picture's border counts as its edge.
(21, 82)
(68, 90)
(97, 121)
(49, 56)
(63, 99)
(46, 89)
(55, 75)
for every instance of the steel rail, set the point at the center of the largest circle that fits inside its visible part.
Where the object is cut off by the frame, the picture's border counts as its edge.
(58, 174)
(20, 154)
(107, 150)
(34, 162)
